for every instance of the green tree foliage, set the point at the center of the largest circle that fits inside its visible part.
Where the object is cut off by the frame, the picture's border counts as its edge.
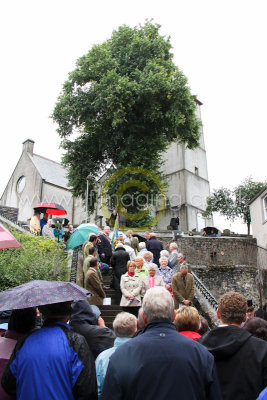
(127, 100)
(234, 203)
(35, 260)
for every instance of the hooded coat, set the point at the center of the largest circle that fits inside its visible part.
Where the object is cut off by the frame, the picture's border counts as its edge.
(241, 361)
(118, 263)
(83, 321)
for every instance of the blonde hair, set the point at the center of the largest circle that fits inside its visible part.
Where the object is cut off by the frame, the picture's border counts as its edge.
(131, 264)
(187, 319)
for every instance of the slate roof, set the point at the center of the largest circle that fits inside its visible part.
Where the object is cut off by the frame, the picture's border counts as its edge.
(51, 171)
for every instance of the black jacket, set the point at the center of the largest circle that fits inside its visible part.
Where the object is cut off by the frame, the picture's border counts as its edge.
(155, 246)
(98, 338)
(118, 263)
(174, 223)
(104, 246)
(161, 364)
(241, 361)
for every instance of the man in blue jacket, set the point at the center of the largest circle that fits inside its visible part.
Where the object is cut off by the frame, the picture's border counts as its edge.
(52, 362)
(160, 363)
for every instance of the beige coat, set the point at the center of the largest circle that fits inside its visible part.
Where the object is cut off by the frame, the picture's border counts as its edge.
(130, 285)
(93, 285)
(145, 282)
(182, 290)
(35, 225)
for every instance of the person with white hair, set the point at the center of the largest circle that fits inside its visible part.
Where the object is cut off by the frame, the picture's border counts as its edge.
(180, 367)
(173, 257)
(129, 249)
(165, 272)
(152, 279)
(148, 257)
(142, 248)
(165, 253)
(48, 230)
(124, 326)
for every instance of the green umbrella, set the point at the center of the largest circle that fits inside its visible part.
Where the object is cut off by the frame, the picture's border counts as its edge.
(81, 234)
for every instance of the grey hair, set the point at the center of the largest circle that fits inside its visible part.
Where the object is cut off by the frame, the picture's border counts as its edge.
(142, 245)
(164, 253)
(183, 267)
(125, 324)
(153, 266)
(158, 303)
(50, 220)
(174, 245)
(127, 241)
(141, 323)
(163, 258)
(148, 253)
(119, 245)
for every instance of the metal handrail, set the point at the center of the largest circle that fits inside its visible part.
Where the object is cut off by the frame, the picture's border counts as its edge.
(206, 293)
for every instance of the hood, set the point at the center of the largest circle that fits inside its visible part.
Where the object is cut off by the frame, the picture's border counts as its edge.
(83, 312)
(120, 248)
(223, 342)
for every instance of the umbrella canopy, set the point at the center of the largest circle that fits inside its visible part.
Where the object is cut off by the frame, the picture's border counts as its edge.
(50, 208)
(7, 240)
(81, 234)
(38, 293)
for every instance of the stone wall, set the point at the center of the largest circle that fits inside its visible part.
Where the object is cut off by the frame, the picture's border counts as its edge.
(221, 251)
(10, 213)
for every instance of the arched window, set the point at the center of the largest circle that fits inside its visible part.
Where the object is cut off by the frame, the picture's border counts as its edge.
(21, 184)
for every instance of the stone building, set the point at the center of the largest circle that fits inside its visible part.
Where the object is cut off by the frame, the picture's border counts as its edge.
(258, 211)
(37, 179)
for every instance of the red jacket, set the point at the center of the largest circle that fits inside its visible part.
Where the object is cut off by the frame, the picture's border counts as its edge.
(191, 334)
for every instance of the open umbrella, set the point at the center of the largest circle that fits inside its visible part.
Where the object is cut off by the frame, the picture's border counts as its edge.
(50, 208)
(7, 240)
(38, 293)
(81, 234)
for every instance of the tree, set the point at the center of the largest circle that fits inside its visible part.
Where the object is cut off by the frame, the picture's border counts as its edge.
(127, 100)
(234, 203)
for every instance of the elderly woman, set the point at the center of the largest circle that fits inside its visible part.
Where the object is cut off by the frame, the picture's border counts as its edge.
(148, 257)
(187, 322)
(165, 272)
(131, 287)
(152, 279)
(165, 253)
(141, 270)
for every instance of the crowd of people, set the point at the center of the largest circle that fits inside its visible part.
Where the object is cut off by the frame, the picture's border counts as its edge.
(44, 227)
(165, 353)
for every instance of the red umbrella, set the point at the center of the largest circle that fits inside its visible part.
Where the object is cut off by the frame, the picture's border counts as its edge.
(7, 241)
(50, 208)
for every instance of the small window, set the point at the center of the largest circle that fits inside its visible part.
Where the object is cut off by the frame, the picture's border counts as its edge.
(196, 171)
(21, 184)
(264, 200)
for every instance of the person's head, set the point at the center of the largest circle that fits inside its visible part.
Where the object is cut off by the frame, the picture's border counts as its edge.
(119, 246)
(142, 245)
(148, 256)
(106, 230)
(129, 234)
(232, 308)
(131, 266)
(152, 269)
(92, 251)
(120, 237)
(163, 261)
(37, 214)
(57, 311)
(257, 327)
(183, 270)
(127, 242)
(125, 324)
(153, 235)
(181, 258)
(173, 246)
(139, 262)
(49, 222)
(187, 319)
(147, 235)
(45, 216)
(70, 227)
(164, 253)
(158, 303)
(23, 320)
(204, 326)
(93, 262)
(93, 238)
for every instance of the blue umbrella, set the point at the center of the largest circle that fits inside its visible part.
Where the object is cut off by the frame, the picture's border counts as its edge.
(81, 234)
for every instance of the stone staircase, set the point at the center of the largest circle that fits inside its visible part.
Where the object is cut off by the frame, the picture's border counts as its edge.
(108, 313)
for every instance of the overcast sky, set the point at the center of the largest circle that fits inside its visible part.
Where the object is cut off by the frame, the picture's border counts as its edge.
(219, 45)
